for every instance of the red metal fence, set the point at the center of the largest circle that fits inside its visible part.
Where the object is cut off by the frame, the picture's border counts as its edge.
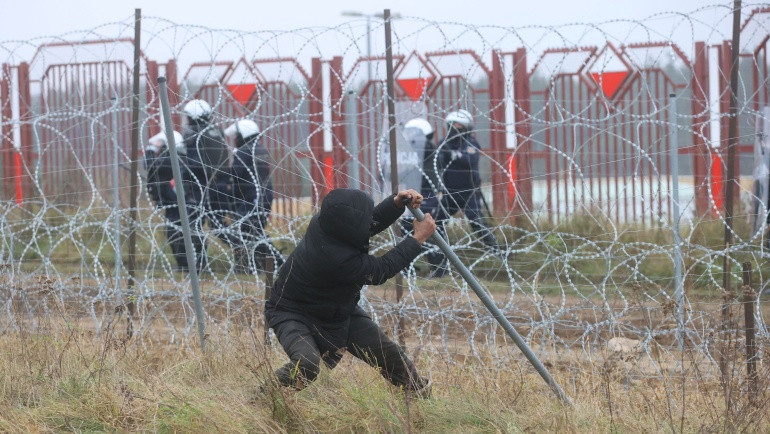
(583, 129)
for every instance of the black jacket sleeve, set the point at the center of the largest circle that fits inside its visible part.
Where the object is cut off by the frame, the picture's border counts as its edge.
(376, 270)
(384, 215)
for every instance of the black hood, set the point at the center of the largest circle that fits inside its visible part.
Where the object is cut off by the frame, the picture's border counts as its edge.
(346, 215)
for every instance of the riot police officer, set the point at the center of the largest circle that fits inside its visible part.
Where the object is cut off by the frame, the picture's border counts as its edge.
(206, 183)
(252, 192)
(161, 188)
(457, 167)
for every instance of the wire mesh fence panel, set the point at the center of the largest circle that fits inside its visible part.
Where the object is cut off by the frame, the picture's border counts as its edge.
(574, 161)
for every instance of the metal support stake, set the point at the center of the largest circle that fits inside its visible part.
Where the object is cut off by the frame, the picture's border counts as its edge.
(678, 280)
(393, 156)
(116, 194)
(732, 143)
(481, 292)
(134, 180)
(749, 297)
(185, 219)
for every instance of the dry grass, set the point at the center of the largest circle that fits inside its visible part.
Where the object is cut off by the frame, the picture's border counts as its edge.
(65, 378)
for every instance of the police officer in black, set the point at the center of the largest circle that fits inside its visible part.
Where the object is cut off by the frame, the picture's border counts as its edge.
(252, 193)
(420, 130)
(457, 167)
(160, 187)
(207, 180)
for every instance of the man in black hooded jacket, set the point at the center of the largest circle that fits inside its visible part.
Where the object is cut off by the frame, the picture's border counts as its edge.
(313, 308)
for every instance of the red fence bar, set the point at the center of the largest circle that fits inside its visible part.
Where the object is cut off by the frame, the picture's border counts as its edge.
(320, 163)
(26, 152)
(153, 100)
(497, 127)
(7, 190)
(700, 128)
(174, 97)
(340, 156)
(725, 66)
(523, 152)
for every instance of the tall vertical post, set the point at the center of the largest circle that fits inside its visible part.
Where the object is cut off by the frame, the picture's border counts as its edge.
(393, 152)
(116, 192)
(352, 130)
(133, 194)
(731, 145)
(674, 159)
(749, 297)
(180, 201)
(732, 131)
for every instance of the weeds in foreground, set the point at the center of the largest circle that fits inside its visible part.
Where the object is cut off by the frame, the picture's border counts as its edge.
(62, 377)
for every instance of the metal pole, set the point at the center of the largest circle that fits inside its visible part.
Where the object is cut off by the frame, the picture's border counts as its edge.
(353, 140)
(185, 219)
(135, 126)
(749, 296)
(481, 292)
(732, 130)
(116, 194)
(674, 159)
(393, 154)
(732, 137)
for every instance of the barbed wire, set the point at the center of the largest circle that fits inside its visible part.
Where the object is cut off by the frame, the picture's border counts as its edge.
(585, 255)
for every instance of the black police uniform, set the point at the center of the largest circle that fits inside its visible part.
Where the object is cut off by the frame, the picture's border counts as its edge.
(161, 191)
(252, 193)
(207, 182)
(457, 165)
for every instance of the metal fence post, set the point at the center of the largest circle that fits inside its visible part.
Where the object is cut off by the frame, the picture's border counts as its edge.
(185, 219)
(674, 160)
(135, 130)
(489, 303)
(393, 157)
(116, 195)
(749, 297)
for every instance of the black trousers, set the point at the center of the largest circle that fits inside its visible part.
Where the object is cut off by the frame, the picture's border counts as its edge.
(252, 237)
(174, 236)
(365, 341)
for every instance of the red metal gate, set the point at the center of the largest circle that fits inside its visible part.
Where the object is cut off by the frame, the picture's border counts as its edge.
(83, 109)
(604, 134)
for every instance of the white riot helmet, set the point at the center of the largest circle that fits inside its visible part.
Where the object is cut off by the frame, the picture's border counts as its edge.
(245, 127)
(462, 117)
(197, 109)
(420, 123)
(159, 141)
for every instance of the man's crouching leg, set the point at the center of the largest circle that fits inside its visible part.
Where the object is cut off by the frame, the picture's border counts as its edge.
(368, 343)
(304, 356)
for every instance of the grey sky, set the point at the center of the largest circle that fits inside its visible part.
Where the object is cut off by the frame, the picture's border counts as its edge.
(27, 19)
(322, 30)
